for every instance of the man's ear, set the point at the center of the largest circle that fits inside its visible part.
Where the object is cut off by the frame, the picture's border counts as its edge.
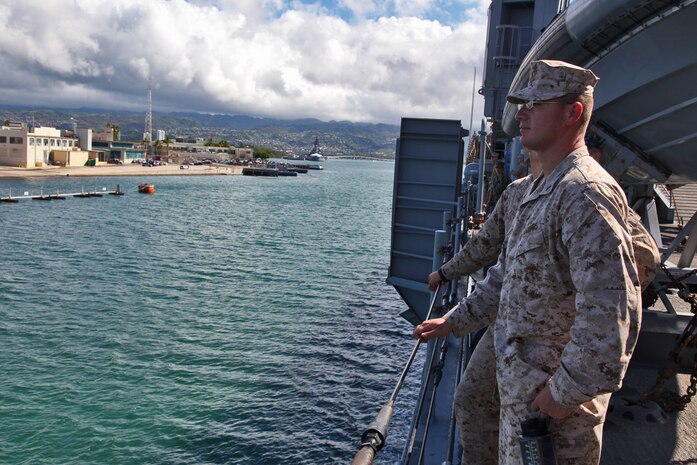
(575, 112)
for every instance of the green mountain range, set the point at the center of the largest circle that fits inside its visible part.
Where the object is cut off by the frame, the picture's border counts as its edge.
(337, 138)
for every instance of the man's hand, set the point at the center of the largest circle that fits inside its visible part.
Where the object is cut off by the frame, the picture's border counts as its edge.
(432, 328)
(434, 281)
(545, 403)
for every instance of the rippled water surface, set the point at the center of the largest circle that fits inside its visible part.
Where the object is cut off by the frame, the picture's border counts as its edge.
(225, 319)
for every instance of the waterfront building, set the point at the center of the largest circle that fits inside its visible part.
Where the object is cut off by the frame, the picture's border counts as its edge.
(26, 147)
(117, 151)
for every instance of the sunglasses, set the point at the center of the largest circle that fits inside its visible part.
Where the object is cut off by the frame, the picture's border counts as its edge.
(531, 105)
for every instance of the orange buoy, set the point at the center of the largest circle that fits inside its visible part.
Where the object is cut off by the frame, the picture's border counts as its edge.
(146, 188)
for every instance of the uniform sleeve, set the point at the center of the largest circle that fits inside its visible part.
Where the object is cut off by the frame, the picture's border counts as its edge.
(482, 248)
(645, 250)
(479, 309)
(608, 301)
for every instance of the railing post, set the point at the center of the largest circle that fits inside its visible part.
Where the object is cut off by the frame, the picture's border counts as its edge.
(482, 165)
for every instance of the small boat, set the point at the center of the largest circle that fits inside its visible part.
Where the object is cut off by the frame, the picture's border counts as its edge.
(307, 166)
(146, 188)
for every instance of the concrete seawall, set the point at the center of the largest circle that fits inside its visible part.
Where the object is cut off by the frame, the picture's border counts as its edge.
(120, 170)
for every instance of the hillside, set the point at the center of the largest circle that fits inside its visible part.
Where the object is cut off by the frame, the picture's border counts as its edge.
(337, 138)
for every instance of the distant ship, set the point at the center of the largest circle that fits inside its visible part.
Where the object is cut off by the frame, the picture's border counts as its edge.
(316, 152)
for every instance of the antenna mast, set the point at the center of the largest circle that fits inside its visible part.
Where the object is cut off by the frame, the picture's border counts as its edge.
(147, 136)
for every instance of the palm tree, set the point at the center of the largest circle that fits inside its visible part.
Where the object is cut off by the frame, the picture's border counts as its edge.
(115, 129)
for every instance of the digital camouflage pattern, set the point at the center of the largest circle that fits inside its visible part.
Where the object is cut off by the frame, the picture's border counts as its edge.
(645, 250)
(476, 404)
(550, 79)
(577, 439)
(569, 303)
(483, 247)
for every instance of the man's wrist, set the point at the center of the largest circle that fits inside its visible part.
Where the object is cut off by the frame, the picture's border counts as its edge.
(442, 275)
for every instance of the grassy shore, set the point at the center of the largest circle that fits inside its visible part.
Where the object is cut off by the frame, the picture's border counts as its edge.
(132, 169)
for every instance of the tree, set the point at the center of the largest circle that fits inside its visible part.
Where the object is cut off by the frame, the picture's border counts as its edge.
(220, 143)
(262, 152)
(115, 129)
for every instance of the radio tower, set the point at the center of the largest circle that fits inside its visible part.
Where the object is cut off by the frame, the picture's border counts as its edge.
(147, 136)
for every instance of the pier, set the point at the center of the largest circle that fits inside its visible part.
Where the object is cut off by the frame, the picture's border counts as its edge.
(61, 196)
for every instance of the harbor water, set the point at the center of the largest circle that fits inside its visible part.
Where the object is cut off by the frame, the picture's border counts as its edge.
(222, 320)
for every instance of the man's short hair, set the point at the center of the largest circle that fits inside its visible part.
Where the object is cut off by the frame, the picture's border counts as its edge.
(586, 101)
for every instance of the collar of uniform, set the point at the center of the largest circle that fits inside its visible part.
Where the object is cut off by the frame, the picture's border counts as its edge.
(543, 186)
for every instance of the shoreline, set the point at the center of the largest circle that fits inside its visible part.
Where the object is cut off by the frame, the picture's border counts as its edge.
(119, 170)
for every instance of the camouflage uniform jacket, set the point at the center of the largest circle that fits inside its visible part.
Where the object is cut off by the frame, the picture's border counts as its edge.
(570, 301)
(483, 248)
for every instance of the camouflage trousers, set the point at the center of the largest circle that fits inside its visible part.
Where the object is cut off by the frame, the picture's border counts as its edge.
(477, 406)
(489, 431)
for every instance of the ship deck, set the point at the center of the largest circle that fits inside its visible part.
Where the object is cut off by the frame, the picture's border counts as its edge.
(644, 435)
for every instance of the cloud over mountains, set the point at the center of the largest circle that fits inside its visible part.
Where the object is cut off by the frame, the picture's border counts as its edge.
(367, 61)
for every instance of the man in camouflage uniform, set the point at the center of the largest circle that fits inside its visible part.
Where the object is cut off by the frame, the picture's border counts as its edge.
(499, 182)
(565, 292)
(476, 404)
(483, 248)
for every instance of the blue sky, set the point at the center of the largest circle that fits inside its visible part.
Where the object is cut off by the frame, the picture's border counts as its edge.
(449, 12)
(356, 60)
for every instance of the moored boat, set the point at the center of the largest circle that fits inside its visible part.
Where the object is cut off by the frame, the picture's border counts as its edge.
(260, 171)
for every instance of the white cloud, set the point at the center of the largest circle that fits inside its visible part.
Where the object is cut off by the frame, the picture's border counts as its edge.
(241, 57)
(359, 8)
(413, 7)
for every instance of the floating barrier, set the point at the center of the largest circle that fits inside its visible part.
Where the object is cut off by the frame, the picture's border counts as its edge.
(60, 196)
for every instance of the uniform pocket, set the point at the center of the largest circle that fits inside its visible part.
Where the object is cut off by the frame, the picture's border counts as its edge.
(528, 242)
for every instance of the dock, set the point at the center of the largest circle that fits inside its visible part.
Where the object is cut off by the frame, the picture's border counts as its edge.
(60, 195)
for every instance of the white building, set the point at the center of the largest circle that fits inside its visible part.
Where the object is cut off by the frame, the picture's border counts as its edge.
(22, 147)
(160, 134)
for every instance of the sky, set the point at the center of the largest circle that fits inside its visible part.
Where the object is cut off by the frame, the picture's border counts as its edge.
(356, 60)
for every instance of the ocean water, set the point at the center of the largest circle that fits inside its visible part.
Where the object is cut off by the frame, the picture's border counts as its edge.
(223, 320)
